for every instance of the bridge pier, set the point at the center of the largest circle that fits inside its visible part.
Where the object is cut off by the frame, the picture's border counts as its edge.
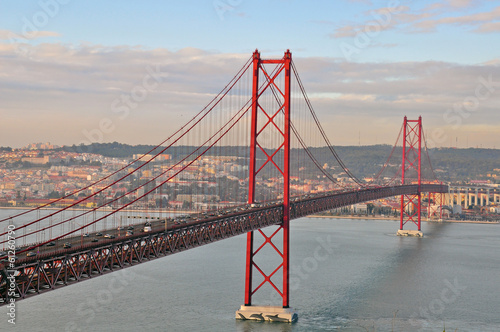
(406, 232)
(267, 313)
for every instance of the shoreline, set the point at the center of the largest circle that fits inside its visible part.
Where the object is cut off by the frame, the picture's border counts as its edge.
(311, 216)
(397, 219)
(101, 209)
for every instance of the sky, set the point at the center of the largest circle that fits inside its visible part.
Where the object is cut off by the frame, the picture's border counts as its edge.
(65, 64)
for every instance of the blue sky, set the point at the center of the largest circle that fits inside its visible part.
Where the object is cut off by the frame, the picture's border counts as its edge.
(239, 26)
(374, 60)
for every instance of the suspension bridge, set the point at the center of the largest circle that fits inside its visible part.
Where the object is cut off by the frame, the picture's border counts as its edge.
(247, 163)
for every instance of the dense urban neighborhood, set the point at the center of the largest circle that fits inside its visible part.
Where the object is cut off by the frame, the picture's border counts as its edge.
(41, 173)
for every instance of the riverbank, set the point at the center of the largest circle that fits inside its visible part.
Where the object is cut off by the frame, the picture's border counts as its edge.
(353, 217)
(176, 212)
(397, 219)
(100, 209)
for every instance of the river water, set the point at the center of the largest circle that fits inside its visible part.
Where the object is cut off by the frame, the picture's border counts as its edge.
(346, 275)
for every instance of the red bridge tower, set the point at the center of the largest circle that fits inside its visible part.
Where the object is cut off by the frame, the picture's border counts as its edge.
(411, 174)
(277, 80)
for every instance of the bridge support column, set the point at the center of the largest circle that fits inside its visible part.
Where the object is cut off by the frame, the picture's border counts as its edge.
(441, 201)
(410, 174)
(429, 206)
(249, 311)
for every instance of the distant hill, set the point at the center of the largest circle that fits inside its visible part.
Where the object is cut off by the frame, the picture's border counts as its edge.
(468, 164)
(363, 161)
(115, 149)
(450, 164)
(118, 150)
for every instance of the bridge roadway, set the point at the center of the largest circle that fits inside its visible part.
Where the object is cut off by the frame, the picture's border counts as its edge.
(55, 266)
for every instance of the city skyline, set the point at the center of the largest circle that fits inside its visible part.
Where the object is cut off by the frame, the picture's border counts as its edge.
(67, 68)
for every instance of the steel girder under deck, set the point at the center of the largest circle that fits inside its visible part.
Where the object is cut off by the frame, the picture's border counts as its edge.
(64, 267)
(40, 274)
(318, 204)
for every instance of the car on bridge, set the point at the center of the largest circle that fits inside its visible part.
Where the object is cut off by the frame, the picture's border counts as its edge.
(31, 254)
(67, 245)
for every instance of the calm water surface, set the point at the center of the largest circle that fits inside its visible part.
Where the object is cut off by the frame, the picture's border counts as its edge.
(347, 275)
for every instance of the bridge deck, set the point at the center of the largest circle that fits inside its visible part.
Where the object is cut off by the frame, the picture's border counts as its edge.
(56, 266)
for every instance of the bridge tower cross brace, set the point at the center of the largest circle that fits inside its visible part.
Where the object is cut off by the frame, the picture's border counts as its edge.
(412, 151)
(282, 67)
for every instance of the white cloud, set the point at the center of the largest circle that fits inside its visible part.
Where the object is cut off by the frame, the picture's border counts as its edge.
(62, 90)
(10, 35)
(488, 27)
(478, 19)
(427, 20)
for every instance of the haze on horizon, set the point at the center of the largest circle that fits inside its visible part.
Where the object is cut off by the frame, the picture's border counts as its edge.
(67, 67)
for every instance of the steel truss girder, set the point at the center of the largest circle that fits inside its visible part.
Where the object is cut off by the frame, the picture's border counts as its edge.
(59, 268)
(328, 202)
(36, 276)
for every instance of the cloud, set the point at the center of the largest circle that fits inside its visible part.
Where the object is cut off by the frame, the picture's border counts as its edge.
(479, 19)
(10, 35)
(426, 20)
(363, 93)
(60, 91)
(492, 62)
(488, 27)
(460, 3)
(450, 5)
(346, 31)
(381, 19)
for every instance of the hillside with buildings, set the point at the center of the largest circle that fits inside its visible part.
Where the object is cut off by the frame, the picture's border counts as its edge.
(40, 173)
(450, 164)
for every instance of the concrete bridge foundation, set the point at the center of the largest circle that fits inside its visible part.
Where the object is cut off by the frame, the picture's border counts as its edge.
(267, 313)
(404, 232)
